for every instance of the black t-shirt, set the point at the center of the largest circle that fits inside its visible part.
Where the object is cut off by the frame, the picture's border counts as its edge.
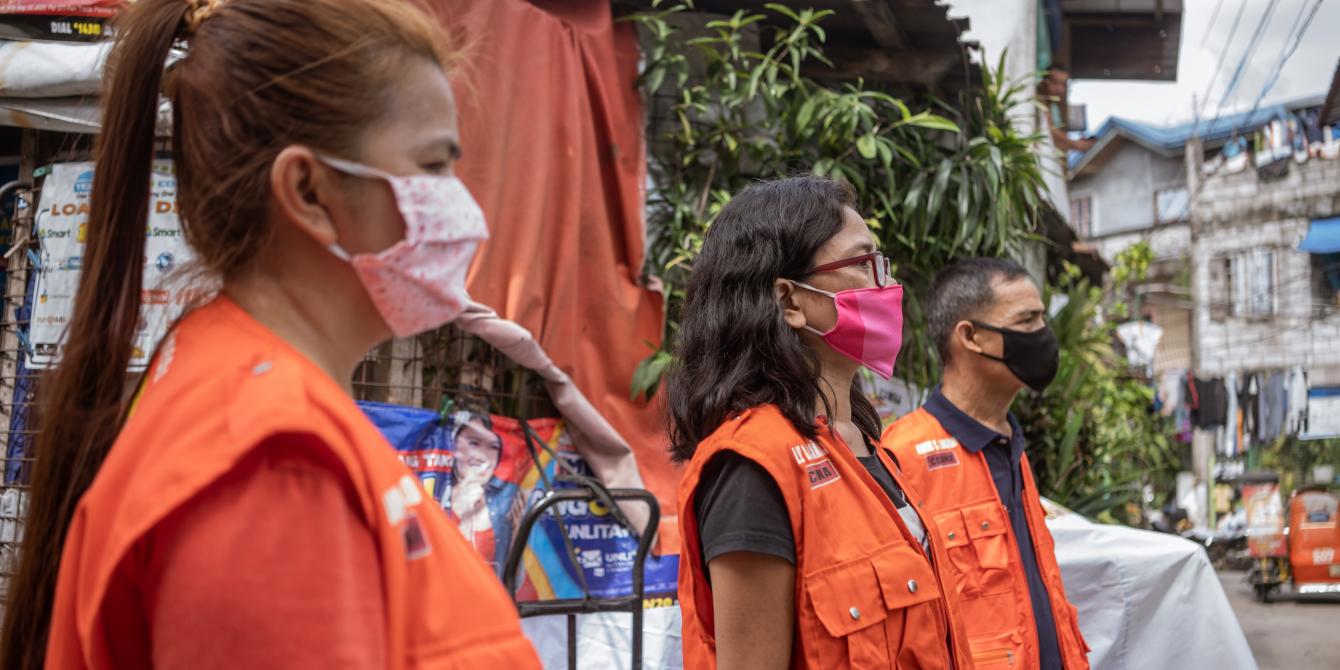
(739, 507)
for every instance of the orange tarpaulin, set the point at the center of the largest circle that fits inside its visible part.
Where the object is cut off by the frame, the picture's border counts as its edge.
(552, 130)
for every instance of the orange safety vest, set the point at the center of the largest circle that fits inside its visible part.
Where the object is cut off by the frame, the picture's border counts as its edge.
(220, 385)
(866, 596)
(993, 590)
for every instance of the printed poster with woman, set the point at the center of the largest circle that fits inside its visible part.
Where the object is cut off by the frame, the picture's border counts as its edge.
(478, 468)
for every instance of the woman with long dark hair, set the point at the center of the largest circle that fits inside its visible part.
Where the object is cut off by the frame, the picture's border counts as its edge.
(801, 545)
(237, 509)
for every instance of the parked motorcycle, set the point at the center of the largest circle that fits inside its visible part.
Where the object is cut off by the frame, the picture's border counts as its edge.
(1266, 533)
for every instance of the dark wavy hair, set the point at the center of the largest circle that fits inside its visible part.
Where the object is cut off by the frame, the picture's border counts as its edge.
(735, 351)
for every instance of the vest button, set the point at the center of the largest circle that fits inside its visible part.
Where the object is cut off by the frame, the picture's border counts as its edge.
(855, 613)
(951, 534)
(911, 586)
(985, 525)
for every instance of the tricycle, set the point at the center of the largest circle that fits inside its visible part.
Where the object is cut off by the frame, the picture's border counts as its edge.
(1266, 533)
(1314, 535)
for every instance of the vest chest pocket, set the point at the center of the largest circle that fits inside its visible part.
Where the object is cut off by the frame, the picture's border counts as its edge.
(853, 600)
(961, 558)
(987, 532)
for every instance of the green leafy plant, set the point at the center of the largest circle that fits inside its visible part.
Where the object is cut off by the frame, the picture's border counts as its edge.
(1294, 458)
(1094, 441)
(942, 182)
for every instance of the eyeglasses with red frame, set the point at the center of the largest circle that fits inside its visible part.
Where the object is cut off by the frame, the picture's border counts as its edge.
(880, 267)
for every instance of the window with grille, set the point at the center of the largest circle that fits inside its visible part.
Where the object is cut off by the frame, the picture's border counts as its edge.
(1081, 215)
(1251, 283)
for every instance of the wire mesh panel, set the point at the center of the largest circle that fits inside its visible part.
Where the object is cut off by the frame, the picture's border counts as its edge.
(18, 384)
(451, 370)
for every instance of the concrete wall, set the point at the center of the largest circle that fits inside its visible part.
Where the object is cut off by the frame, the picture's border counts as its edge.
(1174, 350)
(1168, 242)
(1001, 25)
(1123, 191)
(1238, 213)
(1010, 27)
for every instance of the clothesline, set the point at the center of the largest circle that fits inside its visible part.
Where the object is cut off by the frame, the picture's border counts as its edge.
(1246, 408)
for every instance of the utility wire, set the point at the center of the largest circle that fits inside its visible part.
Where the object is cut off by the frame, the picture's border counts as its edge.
(1287, 50)
(1219, 65)
(1210, 28)
(1247, 53)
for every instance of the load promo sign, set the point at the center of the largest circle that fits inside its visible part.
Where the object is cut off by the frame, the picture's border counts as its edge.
(62, 229)
(58, 20)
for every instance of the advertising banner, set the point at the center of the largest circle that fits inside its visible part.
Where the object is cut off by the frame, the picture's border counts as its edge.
(479, 469)
(63, 20)
(61, 225)
(1265, 520)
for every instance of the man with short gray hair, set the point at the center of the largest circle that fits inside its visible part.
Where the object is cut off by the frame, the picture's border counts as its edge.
(963, 453)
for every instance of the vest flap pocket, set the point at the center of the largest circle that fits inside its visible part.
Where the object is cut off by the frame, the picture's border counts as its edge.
(905, 576)
(952, 528)
(1000, 651)
(984, 520)
(847, 597)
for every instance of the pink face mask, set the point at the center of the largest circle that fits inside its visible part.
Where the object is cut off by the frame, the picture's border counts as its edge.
(869, 328)
(418, 283)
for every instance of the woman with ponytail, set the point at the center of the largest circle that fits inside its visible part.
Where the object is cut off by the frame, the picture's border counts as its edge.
(235, 509)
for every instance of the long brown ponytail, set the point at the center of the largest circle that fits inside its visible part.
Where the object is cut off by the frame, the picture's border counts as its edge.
(259, 75)
(81, 406)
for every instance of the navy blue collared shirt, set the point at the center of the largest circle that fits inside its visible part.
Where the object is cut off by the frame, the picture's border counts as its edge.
(1003, 456)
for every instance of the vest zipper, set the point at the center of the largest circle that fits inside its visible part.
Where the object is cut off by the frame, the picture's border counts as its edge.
(995, 655)
(1017, 569)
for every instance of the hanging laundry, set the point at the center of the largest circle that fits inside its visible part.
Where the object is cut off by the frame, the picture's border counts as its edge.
(1248, 404)
(1229, 444)
(1142, 341)
(1273, 402)
(1237, 428)
(1186, 425)
(1171, 391)
(1296, 422)
(1212, 406)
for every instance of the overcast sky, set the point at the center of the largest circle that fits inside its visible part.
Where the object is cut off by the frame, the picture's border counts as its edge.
(1204, 43)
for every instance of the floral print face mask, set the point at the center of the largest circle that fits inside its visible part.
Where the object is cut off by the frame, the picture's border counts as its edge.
(418, 283)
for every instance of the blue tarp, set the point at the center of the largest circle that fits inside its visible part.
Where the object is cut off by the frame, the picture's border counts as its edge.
(1323, 237)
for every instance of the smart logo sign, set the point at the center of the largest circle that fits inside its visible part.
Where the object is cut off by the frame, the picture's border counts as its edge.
(62, 229)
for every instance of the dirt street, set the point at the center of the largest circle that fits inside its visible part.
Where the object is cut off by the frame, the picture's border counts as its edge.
(1286, 633)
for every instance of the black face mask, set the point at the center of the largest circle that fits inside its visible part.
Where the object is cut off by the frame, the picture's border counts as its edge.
(1032, 355)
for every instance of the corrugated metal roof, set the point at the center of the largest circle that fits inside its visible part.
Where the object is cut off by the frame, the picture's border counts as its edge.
(1171, 140)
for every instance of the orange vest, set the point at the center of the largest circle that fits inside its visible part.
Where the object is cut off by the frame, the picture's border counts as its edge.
(865, 594)
(993, 590)
(220, 385)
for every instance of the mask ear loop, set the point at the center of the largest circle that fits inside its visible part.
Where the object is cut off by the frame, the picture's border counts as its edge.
(355, 169)
(993, 329)
(820, 291)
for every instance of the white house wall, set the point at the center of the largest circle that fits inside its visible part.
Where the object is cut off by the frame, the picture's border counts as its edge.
(1122, 193)
(1010, 27)
(1168, 242)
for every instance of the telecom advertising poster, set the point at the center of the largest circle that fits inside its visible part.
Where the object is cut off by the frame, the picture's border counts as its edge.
(61, 226)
